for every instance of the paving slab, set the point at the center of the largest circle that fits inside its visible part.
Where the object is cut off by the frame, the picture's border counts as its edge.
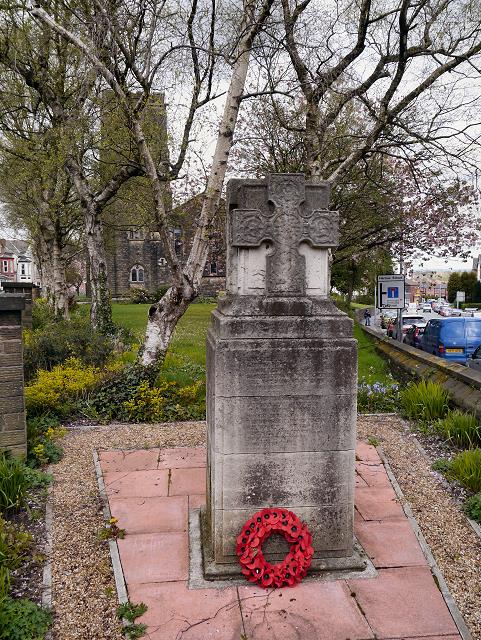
(137, 484)
(310, 610)
(401, 603)
(185, 482)
(154, 557)
(129, 460)
(175, 611)
(378, 503)
(390, 544)
(182, 457)
(151, 515)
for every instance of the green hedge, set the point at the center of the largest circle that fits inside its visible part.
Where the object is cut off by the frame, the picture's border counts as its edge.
(470, 305)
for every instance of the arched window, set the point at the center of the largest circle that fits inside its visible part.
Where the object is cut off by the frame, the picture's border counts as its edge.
(137, 273)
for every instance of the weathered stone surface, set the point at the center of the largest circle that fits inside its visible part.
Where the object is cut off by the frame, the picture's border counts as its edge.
(257, 424)
(13, 432)
(281, 374)
(331, 525)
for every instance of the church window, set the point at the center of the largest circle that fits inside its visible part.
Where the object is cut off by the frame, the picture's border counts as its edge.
(137, 273)
(134, 234)
(213, 268)
(177, 241)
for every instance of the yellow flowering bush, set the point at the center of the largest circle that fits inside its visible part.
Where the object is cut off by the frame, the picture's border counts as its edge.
(165, 402)
(58, 390)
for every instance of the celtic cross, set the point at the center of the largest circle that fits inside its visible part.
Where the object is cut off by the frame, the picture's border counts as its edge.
(283, 212)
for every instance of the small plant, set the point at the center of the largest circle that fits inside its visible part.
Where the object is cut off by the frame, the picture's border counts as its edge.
(442, 465)
(130, 612)
(460, 428)
(472, 507)
(166, 401)
(111, 531)
(424, 401)
(374, 442)
(15, 544)
(23, 620)
(466, 469)
(377, 397)
(14, 483)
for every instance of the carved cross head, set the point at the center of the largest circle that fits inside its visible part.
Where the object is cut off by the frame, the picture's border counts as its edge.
(283, 212)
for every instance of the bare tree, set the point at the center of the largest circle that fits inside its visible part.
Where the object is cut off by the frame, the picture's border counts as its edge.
(147, 44)
(411, 67)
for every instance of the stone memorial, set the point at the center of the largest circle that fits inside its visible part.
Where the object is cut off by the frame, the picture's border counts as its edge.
(281, 377)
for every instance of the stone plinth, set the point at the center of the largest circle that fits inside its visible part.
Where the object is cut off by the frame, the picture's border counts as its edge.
(13, 431)
(281, 377)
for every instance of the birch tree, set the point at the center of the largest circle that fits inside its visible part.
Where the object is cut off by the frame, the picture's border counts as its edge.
(147, 44)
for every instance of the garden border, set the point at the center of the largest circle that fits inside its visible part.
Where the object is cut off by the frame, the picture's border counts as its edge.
(435, 570)
(122, 595)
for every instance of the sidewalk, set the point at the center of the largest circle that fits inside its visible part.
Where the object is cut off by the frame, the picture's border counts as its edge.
(150, 492)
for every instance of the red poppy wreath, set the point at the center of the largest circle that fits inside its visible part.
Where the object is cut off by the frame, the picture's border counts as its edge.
(256, 531)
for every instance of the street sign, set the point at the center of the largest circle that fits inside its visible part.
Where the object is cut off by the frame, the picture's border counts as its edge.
(460, 296)
(390, 291)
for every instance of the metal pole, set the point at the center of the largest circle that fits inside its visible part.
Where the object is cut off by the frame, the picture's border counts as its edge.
(375, 300)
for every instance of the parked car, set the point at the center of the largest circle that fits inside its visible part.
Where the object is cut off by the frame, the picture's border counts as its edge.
(456, 313)
(408, 320)
(454, 339)
(474, 362)
(426, 308)
(414, 335)
(445, 311)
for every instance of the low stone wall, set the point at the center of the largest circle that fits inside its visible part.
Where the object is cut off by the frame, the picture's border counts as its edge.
(13, 430)
(211, 286)
(463, 384)
(30, 292)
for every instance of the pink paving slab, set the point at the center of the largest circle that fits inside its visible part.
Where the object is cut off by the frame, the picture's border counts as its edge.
(129, 460)
(196, 614)
(137, 484)
(151, 515)
(182, 457)
(401, 603)
(310, 610)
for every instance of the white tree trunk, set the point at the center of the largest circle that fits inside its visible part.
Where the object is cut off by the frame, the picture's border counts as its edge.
(164, 315)
(101, 309)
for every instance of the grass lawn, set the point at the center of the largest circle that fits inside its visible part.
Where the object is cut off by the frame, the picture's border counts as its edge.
(372, 367)
(185, 360)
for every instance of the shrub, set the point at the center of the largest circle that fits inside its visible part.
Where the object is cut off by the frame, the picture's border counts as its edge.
(442, 465)
(23, 620)
(54, 343)
(472, 507)
(165, 402)
(460, 428)
(377, 397)
(57, 392)
(116, 387)
(42, 313)
(142, 296)
(466, 469)
(424, 401)
(15, 543)
(14, 483)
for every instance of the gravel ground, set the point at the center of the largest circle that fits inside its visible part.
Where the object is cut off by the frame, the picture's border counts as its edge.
(84, 595)
(454, 544)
